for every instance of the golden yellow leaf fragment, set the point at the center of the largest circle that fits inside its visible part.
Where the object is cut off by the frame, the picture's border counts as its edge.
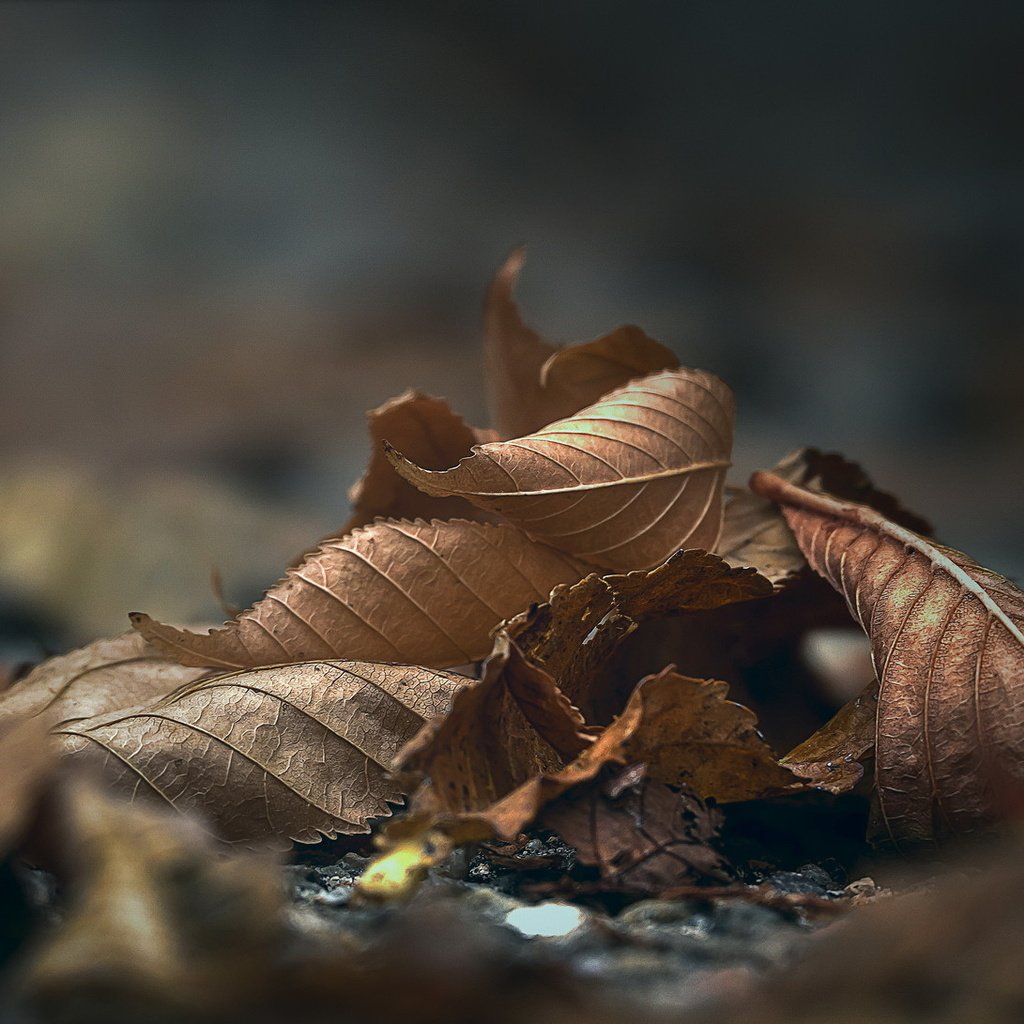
(395, 875)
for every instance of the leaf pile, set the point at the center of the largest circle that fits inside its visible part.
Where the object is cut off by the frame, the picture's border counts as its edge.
(460, 642)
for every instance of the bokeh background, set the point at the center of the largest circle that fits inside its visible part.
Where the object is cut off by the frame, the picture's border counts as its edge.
(227, 230)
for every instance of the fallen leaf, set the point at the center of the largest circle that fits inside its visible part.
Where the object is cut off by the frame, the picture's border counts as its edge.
(948, 650)
(434, 437)
(832, 758)
(104, 676)
(687, 581)
(27, 761)
(644, 837)
(531, 383)
(508, 737)
(686, 732)
(621, 484)
(160, 926)
(411, 592)
(483, 751)
(294, 752)
(755, 533)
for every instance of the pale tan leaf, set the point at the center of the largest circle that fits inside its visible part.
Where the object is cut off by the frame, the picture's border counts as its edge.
(622, 484)
(410, 592)
(434, 437)
(948, 649)
(294, 752)
(531, 383)
(104, 676)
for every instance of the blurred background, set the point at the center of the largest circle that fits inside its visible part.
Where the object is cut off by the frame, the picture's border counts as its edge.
(228, 229)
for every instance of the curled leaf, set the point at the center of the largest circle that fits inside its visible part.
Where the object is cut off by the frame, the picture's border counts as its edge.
(621, 484)
(688, 733)
(832, 758)
(411, 592)
(104, 676)
(948, 649)
(294, 752)
(434, 437)
(755, 533)
(643, 836)
(530, 382)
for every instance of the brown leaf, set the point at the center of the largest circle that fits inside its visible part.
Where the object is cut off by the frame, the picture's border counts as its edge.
(104, 676)
(160, 925)
(948, 648)
(688, 733)
(531, 383)
(27, 760)
(621, 484)
(410, 592)
(483, 752)
(644, 837)
(754, 533)
(294, 752)
(832, 758)
(688, 581)
(434, 437)
(507, 737)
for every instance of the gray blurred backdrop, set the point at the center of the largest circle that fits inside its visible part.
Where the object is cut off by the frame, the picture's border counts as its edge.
(227, 229)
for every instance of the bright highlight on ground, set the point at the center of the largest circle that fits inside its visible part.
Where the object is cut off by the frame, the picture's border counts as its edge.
(546, 920)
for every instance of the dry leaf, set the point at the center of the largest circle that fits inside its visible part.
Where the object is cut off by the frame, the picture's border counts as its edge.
(688, 581)
(27, 760)
(621, 484)
(482, 752)
(754, 533)
(531, 383)
(104, 676)
(832, 758)
(294, 752)
(948, 649)
(645, 837)
(410, 592)
(507, 737)
(688, 733)
(434, 437)
(160, 926)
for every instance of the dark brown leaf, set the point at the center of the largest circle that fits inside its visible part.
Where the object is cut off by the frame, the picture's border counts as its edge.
(833, 757)
(622, 484)
(417, 593)
(948, 649)
(295, 752)
(531, 383)
(688, 733)
(645, 837)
